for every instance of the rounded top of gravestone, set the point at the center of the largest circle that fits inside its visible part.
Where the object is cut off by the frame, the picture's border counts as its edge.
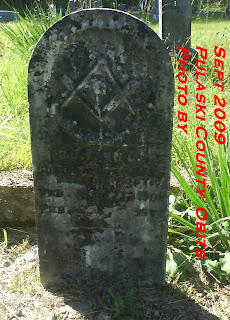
(98, 75)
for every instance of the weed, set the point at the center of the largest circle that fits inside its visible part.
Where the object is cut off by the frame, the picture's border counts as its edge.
(125, 306)
(5, 237)
(24, 35)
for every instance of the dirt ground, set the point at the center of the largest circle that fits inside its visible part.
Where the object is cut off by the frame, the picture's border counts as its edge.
(23, 297)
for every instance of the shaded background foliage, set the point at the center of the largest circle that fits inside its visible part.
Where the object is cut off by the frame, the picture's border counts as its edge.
(200, 4)
(21, 5)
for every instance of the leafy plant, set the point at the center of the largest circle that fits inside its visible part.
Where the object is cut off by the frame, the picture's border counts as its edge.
(178, 263)
(216, 204)
(25, 34)
(124, 306)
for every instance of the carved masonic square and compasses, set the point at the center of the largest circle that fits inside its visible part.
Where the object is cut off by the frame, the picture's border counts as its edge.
(99, 92)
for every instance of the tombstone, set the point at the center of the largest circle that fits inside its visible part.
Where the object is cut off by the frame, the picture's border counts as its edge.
(101, 125)
(75, 5)
(201, 13)
(83, 4)
(175, 23)
(98, 4)
(155, 8)
(121, 6)
(61, 11)
(94, 4)
(155, 11)
(8, 16)
(227, 12)
(167, 22)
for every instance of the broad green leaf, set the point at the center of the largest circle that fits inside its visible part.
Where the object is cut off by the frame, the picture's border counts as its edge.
(171, 266)
(212, 265)
(182, 261)
(225, 263)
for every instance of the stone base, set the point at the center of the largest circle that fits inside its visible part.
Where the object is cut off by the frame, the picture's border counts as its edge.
(16, 199)
(17, 206)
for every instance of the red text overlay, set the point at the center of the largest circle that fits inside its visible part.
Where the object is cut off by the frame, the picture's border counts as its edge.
(201, 137)
(219, 102)
(201, 131)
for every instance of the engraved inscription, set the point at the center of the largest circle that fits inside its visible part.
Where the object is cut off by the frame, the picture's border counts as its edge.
(99, 92)
(142, 197)
(110, 156)
(52, 209)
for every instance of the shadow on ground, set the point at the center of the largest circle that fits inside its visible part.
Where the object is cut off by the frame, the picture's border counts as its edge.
(100, 301)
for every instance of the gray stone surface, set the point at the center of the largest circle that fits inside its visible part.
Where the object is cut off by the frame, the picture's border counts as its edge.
(16, 199)
(227, 12)
(16, 207)
(8, 16)
(175, 23)
(95, 3)
(121, 6)
(75, 5)
(155, 8)
(101, 97)
(84, 4)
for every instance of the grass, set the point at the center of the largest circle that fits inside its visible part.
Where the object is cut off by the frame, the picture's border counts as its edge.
(207, 35)
(17, 41)
(217, 205)
(14, 120)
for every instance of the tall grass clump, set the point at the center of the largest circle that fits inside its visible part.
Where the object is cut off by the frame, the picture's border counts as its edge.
(182, 222)
(217, 205)
(182, 230)
(14, 122)
(24, 35)
(17, 40)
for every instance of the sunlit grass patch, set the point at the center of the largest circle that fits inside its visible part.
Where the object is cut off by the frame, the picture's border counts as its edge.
(14, 121)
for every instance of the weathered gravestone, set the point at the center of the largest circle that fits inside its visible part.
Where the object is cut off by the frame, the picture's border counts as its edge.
(121, 6)
(101, 96)
(83, 4)
(75, 5)
(8, 16)
(95, 3)
(227, 11)
(175, 23)
(155, 10)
